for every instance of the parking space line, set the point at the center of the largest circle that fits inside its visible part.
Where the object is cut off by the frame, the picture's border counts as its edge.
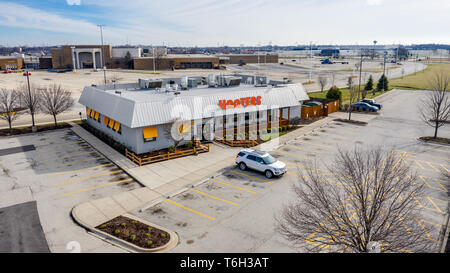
(419, 164)
(331, 135)
(87, 178)
(101, 165)
(253, 177)
(431, 165)
(215, 197)
(233, 186)
(429, 185)
(64, 157)
(96, 187)
(191, 210)
(70, 163)
(437, 208)
(442, 165)
(315, 144)
(424, 230)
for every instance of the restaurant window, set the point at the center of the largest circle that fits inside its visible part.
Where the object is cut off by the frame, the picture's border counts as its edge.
(150, 133)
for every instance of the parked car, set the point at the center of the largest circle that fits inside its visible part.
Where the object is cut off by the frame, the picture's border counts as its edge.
(27, 73)
(260, 161)
(7, 71)
(363, 106)
(372, 102)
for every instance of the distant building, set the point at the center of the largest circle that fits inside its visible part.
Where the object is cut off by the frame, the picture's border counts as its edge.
(177, 61)
(330, 53)
(11, 63)
(250, 58)
(81, 56)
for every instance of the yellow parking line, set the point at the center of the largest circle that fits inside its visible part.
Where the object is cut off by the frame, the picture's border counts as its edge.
(233, 186)
(191, 210)
(337, 136)
(424, 230)
(437, 208)
(70, 163)
(96, 187)
(315, 144)
(419, 165)
(59, 157)
(86, 178)
(107, 164)
(431, 165)
(428, 184)
(442, 186)
(215, 197)
(253, 177)
(442, 165)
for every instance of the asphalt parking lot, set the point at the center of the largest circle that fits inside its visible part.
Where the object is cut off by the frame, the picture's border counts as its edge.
(235, 211)
(61, 172)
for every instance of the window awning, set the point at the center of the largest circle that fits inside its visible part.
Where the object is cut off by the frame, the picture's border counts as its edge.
(150, 132)
(97, 114)
(88, 111)
(111, 123)
(106, 120)
(116, 126)
(185, 127)
(92, 113)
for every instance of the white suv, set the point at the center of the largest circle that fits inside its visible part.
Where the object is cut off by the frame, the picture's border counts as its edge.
(260, 161)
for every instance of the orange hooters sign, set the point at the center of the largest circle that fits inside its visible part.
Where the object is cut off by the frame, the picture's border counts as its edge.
(242, 102)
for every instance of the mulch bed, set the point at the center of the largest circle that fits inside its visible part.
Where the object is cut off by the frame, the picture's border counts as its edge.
(440, 140)
(356, 122)
(27, 130)
(135, 232)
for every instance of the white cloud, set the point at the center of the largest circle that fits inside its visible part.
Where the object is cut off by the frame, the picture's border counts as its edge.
(374, 2)
(73, 2)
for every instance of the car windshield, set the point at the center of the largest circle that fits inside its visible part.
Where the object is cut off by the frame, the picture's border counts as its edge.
(269, 159)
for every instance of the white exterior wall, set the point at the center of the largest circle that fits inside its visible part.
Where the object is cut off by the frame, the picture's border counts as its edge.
(122, 52)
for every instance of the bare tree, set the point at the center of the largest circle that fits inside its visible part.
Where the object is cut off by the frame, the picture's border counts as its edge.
(9, 106)
(366, 202)
(444, 235)
(30, 99)
(56, 100)
(333, 78)
(322, 82)
(435, 107)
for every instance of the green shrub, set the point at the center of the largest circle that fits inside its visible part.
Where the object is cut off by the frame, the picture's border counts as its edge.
(149, 242)
(134, 222)
(132, 237)
(163, 235)
(117, 231)
(171, 148)
(123, 224)
(149, 228)
(103, 226)
(147, 234)
(334, 94)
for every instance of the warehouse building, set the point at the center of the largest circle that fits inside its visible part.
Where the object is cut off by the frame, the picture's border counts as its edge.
(177, 61)
(249, 58)
(137, 115)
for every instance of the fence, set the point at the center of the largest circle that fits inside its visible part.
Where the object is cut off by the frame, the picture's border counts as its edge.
(310, 112)
(143, 160)
(239, 143)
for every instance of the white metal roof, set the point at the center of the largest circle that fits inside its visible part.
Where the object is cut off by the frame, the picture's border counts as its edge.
(140, 108)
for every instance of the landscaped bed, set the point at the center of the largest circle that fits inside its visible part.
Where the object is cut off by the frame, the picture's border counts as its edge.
(135, 232)
(441, 140)
(356, 122)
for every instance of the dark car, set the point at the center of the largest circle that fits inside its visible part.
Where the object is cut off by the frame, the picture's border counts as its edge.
(26, 73)
(372, 102)
(363, 106)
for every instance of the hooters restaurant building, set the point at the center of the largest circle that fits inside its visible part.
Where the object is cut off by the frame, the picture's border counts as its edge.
(149, 114)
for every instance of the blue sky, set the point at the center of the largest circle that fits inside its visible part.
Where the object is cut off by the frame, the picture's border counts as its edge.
(229, 22)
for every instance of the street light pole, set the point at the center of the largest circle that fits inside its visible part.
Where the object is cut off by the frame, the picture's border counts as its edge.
(103, 52)
(153, 53)
(310, 62)
(360, 74)
(384, 70)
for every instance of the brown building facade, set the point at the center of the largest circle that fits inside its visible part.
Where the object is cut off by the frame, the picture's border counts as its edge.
(10, 63)
(250, 58)
(81, 56)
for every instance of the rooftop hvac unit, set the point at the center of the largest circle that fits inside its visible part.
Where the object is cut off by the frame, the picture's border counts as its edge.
(150, 83)
(184, 83)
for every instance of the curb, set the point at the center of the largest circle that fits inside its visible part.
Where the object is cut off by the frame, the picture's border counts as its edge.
(432, 142)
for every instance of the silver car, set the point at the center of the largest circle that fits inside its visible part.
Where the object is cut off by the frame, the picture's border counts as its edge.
(260, 161)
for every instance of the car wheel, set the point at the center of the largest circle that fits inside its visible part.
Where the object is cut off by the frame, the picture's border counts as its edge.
(269, 174)
(242, 166)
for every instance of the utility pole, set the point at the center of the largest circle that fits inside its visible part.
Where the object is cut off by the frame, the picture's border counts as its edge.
(103, 54)
(31, 103)
(360, 74)
(384, 70)
(310, 62)
(153, 53)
